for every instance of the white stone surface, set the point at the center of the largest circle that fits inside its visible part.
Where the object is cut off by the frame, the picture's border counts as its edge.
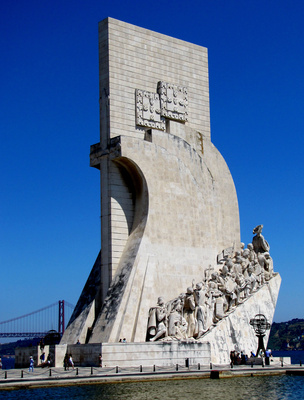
(234, 332)
(186, 212)
(136, 58)
(160, 354)
(168, 201)
(85, 355)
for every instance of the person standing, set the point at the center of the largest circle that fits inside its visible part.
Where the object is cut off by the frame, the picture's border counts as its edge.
(48, 360)
(267, 356)
(66, 362)
(71, 363)
(31, 368)
(42, 357)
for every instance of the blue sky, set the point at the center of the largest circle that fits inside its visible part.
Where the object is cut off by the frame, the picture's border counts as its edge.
(49, 117)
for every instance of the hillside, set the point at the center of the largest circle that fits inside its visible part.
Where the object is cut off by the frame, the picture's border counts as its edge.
(287, 335)
(9, 348)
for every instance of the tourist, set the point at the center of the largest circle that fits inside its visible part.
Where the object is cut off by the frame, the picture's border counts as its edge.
(71, 363)
(31, 368)
(48, 360)
(0, 363)
(237, 358)
(100, 360)
(231, 358)
(267, 355)
(66, 362)
(42, 358)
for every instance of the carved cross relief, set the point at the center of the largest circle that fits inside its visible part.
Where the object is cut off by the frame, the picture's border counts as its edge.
(170, 102)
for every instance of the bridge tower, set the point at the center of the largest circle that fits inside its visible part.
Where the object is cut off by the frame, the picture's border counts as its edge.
(61, 317)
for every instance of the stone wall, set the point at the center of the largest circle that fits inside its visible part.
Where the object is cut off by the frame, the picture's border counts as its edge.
(162, 354)
(136, 58)
(56, 353)
(120, 354)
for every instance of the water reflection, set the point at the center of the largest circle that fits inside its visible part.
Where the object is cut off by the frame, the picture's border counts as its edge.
(250, 388)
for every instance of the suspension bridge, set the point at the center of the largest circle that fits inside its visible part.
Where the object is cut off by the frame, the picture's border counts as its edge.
(39, 322)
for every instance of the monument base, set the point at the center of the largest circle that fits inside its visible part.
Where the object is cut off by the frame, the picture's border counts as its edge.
(161, 354)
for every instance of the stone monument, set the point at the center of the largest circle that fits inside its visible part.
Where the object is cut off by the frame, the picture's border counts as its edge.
(172, 267)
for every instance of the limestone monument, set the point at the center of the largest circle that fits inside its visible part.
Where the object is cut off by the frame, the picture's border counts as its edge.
(172, 267)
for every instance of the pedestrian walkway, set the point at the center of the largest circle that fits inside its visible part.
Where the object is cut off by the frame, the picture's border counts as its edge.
(40, 377)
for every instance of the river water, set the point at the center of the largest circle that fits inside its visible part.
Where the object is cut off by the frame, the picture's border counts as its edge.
(249, 388)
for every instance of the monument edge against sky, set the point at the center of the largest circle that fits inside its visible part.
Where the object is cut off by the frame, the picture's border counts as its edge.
(168, 202)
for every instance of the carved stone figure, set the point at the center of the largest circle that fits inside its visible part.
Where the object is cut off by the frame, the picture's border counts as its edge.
(189, 308)
(240, 289)
(251, 280)
(245, 260)
(268, 266)
(260, 268)
(229, 264)
(216, 303)
(236, 255)
(238, 268)
(252, 254)
(200, 304)
(177, 325)
(242, 248)
(260, 245)
(158, 316)
(227, 286)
